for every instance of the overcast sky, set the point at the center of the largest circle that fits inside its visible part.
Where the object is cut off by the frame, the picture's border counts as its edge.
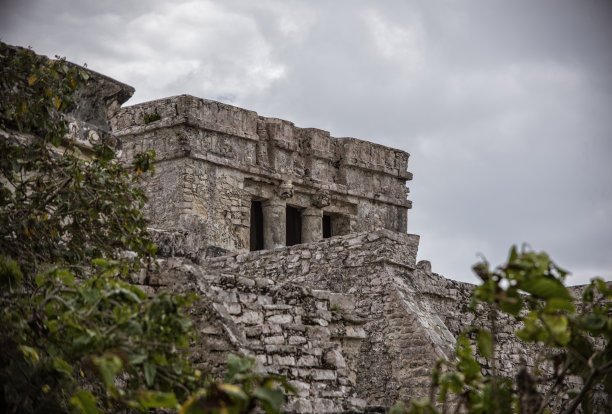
(504, 106)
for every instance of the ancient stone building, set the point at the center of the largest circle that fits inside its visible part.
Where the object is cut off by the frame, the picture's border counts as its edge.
(231, 181)
(297, 241)
(296, 244)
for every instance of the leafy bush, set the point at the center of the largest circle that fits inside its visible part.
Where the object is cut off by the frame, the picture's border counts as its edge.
(573, 338)
(75, 335)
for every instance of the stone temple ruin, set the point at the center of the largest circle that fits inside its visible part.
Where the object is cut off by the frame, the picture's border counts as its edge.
(230, 181)
(297, 241)
(296, 244)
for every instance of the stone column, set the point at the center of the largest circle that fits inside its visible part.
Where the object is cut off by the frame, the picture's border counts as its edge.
(312, 225)
(274, 223)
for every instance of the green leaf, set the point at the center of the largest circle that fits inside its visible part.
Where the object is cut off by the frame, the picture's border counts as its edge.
(82, 341)
(237, 365)
(105, 153)
(234, 391)
(65, 276)
(85, 401)
(587, 295)
(177, 367)
(156, 399)
(485, 343)
(454, 381)
(40, 279)
(137, 359)
(593, 322)
(109, 366)
(531, 329)
(30, 353)
(543, 287)
(62, 366)
(602, 287)
(512, 302)
(133, 327)
(127, 293)
(271, 398)
(90, 295)
(469, 368)
(192, 406)
(149, 372)
(513, 254)
(397, 408)
(558, 304)
(558, 326)
(10, 273)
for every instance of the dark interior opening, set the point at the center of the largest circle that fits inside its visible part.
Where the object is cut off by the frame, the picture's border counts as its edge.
(294, 226)
(327, 229)
(257, 237)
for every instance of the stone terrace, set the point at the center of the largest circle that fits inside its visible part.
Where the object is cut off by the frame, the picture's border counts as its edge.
(342, 318)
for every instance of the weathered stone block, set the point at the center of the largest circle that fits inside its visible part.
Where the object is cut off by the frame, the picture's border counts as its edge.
(334, 358)
(274, 340)
(321, 405)
(296, 340)
(318, 333)
(355, 332)
(302, 388)
(301, 405)
(283, 360)
(233, 308)
(307, 361)
(323, 374)
(280, 319)
(250, 318)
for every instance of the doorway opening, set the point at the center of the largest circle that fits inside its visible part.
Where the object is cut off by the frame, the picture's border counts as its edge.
(327, 229)
(335, 225)
(257, 226)
(293, 226)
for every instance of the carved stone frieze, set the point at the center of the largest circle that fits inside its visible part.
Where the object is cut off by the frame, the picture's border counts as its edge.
(321, 199)
(285, 190)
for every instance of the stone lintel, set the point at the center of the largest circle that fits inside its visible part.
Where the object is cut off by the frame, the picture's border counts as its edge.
(266, 176)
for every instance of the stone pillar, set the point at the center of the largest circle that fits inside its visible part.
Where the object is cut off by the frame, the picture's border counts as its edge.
(274, 223)
(312, 225)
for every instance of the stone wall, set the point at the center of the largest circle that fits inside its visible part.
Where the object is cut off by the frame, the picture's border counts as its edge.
(354, 295)
(376, 268)
(290, 330)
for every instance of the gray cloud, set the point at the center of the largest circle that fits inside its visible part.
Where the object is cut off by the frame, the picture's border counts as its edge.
(504, 106)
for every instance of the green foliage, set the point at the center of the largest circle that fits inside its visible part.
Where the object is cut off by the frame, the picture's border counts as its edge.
(148, 118)
(57, 206)
(75, 336)
(10, 274)
(35, 91)
(574, 339)
(70, 331)
(241, 392)
(70, 323)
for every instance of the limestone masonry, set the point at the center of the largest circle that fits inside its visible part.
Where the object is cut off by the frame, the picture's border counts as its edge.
(231, 181)
(296, 243)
